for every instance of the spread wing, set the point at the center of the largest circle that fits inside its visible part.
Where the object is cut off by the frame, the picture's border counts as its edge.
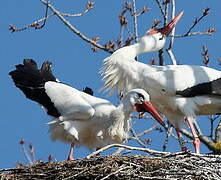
(69, 101)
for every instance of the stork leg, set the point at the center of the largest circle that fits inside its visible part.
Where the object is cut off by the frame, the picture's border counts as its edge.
(196, 140)
(181, 141)
(70, 154)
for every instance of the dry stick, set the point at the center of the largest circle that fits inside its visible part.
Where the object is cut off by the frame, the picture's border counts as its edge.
(147, 150)
(72, 28)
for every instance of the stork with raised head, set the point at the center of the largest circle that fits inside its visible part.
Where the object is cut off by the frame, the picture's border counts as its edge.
(79, 118)
(180, 92)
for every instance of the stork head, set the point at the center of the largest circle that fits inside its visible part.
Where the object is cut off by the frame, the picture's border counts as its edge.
(139, 100)
(154, 39)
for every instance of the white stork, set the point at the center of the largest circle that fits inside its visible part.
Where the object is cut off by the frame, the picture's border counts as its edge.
(180, 92)
(79, 118)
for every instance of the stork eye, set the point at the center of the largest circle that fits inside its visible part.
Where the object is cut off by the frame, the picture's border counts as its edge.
(140, 97)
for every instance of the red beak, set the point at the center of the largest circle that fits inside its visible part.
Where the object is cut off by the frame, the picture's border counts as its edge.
(152, 110)
(166, 30)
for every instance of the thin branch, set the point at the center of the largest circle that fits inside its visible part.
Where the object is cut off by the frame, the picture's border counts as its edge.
(168, 134)
(169, 49)
(73, 29)
(197, 20)
(22, 142)
(36, 24)
(208, 32)
(134, 136)
(161, 9)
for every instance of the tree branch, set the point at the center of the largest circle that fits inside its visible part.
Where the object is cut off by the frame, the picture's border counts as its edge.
(169, 49)
(72, 28)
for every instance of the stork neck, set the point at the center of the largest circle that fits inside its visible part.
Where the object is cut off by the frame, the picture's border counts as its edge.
(130, 51)
(126, 108)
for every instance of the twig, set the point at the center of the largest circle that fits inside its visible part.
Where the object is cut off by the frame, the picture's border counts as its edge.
(147, 150)
(36, 24)
(46, 14)
(22, 142)
(134, 135)
(169, 132)
(208, 32)
(197, 20)
(72, 28)
(154, 127)
(161, 9)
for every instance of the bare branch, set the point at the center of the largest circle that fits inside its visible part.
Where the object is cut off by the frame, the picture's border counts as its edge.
(208, 32)
(134, 136)
(169, 49)
(36, 24)
(197, 20)
(22, 143)
(72, 28)
(88, 8)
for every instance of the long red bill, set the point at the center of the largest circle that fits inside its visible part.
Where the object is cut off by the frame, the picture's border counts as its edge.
(166, 30)
(152, 110)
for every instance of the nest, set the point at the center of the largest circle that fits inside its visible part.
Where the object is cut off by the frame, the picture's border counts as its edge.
(174, 166)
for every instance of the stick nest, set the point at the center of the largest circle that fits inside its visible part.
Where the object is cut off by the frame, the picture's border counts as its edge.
(173, 166)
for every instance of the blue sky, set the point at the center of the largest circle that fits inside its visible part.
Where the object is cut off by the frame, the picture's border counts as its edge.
(75, 63)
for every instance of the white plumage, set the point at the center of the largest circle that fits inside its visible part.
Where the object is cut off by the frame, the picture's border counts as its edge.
(178, 91)
(79, 118)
